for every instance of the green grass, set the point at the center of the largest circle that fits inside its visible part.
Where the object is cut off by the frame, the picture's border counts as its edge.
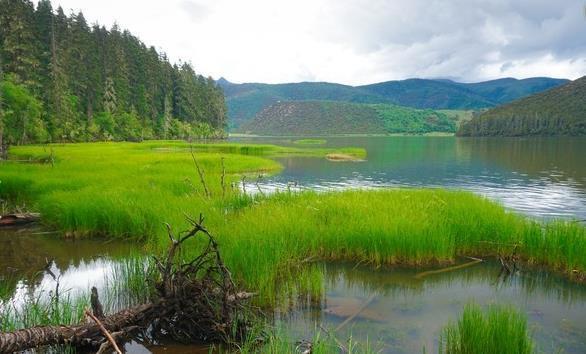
(381, 227)
(128, 190)
(498, 330)
(277, 340)
(310, 141)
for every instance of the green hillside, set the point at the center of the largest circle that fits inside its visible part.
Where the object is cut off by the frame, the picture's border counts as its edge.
(331, 118)
(559, 111)
(244, 101)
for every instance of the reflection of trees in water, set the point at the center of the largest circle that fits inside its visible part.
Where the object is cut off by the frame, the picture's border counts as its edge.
(557, 159)
(24, 256)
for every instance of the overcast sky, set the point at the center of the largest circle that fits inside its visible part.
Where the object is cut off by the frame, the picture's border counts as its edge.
(357, 41)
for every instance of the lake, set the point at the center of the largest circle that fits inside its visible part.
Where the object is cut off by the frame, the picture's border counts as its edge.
(540, 177)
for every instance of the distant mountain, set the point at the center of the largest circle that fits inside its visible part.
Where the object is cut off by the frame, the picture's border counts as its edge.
(437, 94)
(508, 89)
(246, 100)
(331, 118)
(558, 111)
(447, 94)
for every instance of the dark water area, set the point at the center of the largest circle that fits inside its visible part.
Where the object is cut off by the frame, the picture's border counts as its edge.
(540, 177)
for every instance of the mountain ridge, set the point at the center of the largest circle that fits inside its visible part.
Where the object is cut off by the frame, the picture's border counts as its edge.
(246, 100)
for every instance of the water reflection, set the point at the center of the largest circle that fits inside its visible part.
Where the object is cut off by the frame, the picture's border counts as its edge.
(541, 177)
(31, 262)
(405, 314)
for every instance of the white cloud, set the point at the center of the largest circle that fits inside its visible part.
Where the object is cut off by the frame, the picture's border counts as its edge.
(358, 41)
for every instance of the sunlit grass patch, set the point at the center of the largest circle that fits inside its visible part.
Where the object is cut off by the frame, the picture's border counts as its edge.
(310, 141)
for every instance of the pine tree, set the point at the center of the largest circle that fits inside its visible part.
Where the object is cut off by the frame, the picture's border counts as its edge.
(18, 42)
(110, 101)
(3, 148)
(59, 66)
(167, 116)
(63, 117)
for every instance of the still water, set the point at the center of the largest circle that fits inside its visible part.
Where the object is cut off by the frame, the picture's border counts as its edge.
(405, 314)
(540, 177)
(391, 308)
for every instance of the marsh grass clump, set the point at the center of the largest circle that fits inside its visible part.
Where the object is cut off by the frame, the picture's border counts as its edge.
(494, 331)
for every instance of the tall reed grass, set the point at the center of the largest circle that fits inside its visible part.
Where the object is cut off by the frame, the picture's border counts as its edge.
(262, 241)
(498, 330)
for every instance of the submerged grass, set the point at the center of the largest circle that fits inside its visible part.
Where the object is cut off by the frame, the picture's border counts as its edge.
(498, 330)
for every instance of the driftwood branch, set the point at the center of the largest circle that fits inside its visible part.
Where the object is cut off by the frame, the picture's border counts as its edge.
(104, 331)
(201, 174)
(449, 269)
(223, 179)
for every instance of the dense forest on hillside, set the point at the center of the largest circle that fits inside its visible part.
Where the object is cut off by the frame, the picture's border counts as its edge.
(559, 111)
(332, 117)
(65, 80)
(246, 100)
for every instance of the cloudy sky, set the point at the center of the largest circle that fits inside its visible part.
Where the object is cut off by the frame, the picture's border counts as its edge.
(357, 41)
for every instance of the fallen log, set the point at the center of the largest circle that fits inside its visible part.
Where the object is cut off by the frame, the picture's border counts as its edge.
(82, 335)
(194, 301)
(19, 219)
